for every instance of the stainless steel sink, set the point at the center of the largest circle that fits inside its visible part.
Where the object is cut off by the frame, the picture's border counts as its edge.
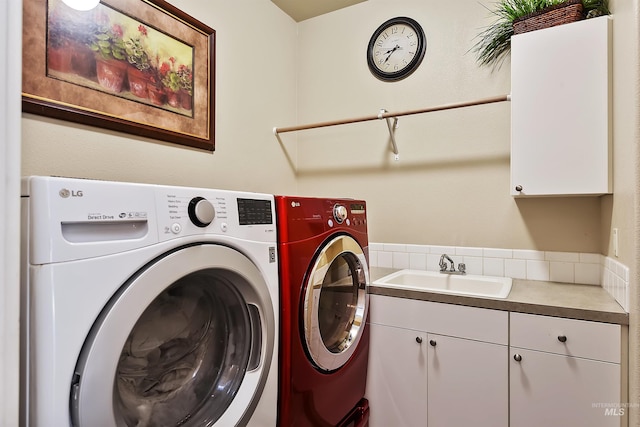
(419, 280)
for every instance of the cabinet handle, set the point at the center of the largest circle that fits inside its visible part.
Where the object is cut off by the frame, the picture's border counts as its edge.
(419, 340)
(433, 343)
(562, 338)
(518, 187)
(517, 357)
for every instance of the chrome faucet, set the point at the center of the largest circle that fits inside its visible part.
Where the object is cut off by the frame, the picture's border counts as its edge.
(443, 263)
(444, 267)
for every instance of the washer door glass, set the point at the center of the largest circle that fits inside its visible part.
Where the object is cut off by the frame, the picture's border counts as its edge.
(336, 303)
(189, 347)
(187, 342)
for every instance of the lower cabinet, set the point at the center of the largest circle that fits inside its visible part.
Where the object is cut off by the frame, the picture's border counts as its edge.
(555, 390)
(467, 383)
(435, 365)
(397, 377)
(442, 365)
(565, 372)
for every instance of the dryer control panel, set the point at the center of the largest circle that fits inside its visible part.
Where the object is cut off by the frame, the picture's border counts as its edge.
(308, 217)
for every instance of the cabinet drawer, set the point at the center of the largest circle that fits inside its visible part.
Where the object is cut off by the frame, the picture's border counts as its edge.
(591, 340)
(473, 323)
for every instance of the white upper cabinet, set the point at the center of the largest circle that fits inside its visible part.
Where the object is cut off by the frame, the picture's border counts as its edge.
(561, 110)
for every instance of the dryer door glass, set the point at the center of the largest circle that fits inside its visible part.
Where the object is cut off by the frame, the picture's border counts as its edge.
(336, 303)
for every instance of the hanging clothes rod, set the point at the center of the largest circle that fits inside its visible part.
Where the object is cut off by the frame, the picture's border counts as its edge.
(385, 115)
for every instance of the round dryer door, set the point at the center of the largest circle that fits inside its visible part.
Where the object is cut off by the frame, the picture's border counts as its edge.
(336, 303)
(188, 341)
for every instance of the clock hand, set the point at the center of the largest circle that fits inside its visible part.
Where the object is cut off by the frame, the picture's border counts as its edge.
(390, 52)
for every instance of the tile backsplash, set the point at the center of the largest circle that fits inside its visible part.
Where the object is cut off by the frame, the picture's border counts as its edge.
(615, 279)
(564, 267)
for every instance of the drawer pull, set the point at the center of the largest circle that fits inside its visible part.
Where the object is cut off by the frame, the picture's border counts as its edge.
(517, 357)
(433, 343)
(419, 340)
(562, 338)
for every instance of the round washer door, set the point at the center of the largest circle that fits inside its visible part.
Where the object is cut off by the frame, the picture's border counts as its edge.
(336, 303)
(186, 341)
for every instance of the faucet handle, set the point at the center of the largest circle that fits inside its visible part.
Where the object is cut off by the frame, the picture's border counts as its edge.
(462, 268)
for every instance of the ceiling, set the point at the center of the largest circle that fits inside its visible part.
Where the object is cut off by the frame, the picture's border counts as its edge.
(300, 10)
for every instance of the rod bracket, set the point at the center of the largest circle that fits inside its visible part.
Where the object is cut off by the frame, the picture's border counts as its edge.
(392, 131)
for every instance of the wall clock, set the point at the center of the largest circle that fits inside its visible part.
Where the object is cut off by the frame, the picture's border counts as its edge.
(396, 49)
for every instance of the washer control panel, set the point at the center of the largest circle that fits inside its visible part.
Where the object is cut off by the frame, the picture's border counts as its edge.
(184, 212)
(254, 211)
(81, 218)
(201, 212)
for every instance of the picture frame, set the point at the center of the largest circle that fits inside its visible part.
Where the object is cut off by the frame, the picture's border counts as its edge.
(143, 67)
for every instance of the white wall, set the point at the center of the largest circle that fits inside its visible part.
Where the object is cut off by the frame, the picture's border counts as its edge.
(623, 211)
(451, 185)
(10, 71)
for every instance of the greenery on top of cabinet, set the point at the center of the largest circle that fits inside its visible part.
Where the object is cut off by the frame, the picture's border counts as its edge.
(494, 42)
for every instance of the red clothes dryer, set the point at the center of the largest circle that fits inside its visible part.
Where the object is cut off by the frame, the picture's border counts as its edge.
(324, 276)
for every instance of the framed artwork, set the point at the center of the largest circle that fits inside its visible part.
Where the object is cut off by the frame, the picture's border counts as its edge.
(142, 67)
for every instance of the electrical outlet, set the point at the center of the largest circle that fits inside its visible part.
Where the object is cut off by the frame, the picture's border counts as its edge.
(615, 242)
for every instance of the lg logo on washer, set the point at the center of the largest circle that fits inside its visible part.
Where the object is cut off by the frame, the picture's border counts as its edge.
(65, 193)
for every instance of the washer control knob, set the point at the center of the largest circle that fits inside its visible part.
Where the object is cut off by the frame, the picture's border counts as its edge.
(340, 213)
(201, 211)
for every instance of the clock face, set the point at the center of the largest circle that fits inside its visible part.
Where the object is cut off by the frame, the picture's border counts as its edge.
(396, 49)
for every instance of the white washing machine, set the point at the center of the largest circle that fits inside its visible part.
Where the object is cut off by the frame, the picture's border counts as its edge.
(147, 305)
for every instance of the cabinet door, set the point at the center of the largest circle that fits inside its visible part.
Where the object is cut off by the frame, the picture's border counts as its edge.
(467, 383)
(397, 377)
(560, 110)
(554, 390)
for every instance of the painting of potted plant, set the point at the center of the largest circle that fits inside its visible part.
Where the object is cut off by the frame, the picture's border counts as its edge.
(105, 67)
(124, 54)
(67, 40)
(186, 86)
(494, 42)
(171, 82)
(109, 47)
(178, 83)
(155, 87)
(139, 73)
(59, 51)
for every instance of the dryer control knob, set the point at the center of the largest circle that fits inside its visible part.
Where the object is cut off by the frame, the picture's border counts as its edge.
(201, 211)
(340, 213)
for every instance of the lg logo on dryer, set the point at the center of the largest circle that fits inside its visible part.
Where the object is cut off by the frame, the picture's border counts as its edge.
(65, 193)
